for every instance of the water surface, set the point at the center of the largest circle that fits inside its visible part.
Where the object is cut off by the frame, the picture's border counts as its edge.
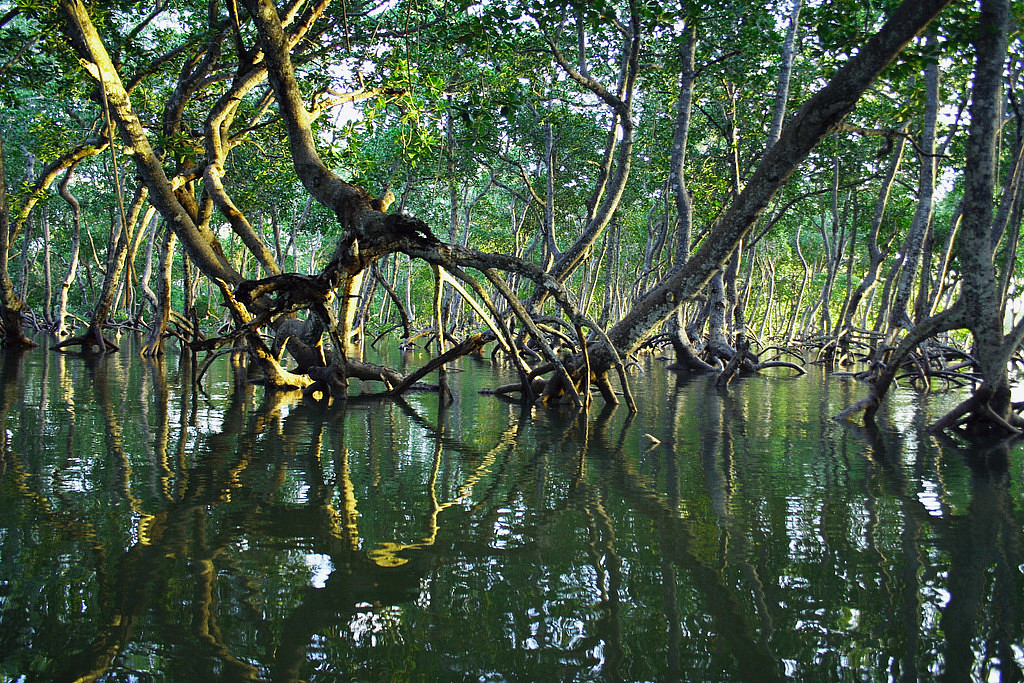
(152, 532)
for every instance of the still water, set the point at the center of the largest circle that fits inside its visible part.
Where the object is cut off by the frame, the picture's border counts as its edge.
(152, 532)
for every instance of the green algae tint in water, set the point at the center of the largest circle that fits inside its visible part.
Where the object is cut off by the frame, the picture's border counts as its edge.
(148, 532)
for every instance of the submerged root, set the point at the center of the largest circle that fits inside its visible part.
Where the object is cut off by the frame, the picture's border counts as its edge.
(536, 386)
(730, 362)
(553, 390)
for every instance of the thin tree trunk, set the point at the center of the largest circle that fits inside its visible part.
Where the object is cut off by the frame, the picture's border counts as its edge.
(154, 345)
(807, 318)
(979, 290)
(718, 341)
(733, 264)
(551, 251)
(23, 263)
(791, 329)
(978, 307)
(785, 73)
(147, 270)
(188, 279)
(120, 239)
(677, 170)
(925, 281)
(148, 228)
(912, 245)
(294, 240)
(60, 329)
(817, 118)
(743, 293)
(882, 320)
(393, 296)
(611, 183)
(876, 255)
(47, 273)
(834, 260)
(686, 355)
(1008, 218)
(279, 253)
(769, 272)
(609, 276)
(838, 237)
(851, 257)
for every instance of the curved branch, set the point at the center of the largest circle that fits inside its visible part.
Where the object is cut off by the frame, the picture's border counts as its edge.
(201, 243)
(346, 200)
(70, 158)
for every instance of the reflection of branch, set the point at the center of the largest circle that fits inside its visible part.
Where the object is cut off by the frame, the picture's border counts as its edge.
(168, 533)
(205, 622)
(976, 541)
(679, 543)
(11, 467)
(343, 524)
(887, 459)
(98, 367)
(485, 459)
(607, 564)
(739, 541)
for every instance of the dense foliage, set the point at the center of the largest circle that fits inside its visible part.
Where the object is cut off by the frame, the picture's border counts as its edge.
(533, 130)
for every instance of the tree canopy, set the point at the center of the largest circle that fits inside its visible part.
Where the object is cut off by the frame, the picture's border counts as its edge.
(566, 183)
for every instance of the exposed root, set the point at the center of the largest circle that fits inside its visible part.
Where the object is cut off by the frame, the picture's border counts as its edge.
(91, 341)
(330, 381)
(276, 377)
(779, 364)
(10, 327)
(739, 356)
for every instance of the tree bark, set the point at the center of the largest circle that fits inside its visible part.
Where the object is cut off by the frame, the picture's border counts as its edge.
(47, 270)
(609, 190)
(117, 252)
(979, 291)
(686, 355)
(978, 307)
(71, 157)
(680, 138)
(785, 73)
(154, 345)
(196, 236)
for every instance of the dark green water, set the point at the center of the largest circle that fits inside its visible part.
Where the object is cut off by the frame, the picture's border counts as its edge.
(150, 533)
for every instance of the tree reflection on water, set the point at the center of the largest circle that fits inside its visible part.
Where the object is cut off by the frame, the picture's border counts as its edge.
(148, 530)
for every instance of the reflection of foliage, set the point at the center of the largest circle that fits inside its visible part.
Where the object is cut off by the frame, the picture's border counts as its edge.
(571, 550)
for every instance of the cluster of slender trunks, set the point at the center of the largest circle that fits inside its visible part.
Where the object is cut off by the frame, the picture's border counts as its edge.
(560, 353)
